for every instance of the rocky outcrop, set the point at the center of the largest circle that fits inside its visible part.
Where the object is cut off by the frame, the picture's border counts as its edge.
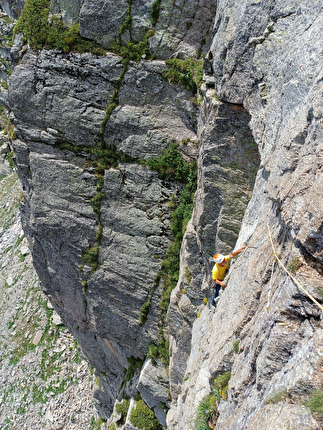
(98, 218)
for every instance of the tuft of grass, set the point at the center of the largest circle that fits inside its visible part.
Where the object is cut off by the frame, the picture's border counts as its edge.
(144, 418)
(221, 384)
(92, 257)
(133, 51)
(206, 413)
(152, 352)
(294, 265)
(96, 424)
(188, 275)
(315, 403)
(154, 13)
(236, 346)
(188, 73)
(281, 396)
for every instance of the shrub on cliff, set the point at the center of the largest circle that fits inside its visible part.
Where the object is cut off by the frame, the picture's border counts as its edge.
(40, 32)
(187, 72)
(144, 418)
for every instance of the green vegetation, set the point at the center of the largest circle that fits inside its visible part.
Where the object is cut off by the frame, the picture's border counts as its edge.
(135, 365)
(133, 51)
(152, 353)
(9, 130)
(91, 258)
(170, 165)
(221, 383)
(236, 346)
(144, 418)
(206, 413)
(122, 409)
(144, 311)
(294, 265)
(187, 72)
(315, 403)
(154, 13)
(281, 396)
(96, 424)
(40, 32)
(188, 275)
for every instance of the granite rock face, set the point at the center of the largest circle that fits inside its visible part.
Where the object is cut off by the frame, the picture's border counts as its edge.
(277, 327)
(53, 97)
(256, 131)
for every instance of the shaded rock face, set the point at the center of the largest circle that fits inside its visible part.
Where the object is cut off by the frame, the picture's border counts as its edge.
(277, 327)
(260, 106)
(58, 104)
(227, 149)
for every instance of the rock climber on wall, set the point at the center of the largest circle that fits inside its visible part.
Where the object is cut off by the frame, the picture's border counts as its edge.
(219, 271)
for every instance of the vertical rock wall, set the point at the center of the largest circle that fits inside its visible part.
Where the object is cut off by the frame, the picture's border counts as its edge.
(260, 106)
(266, 330)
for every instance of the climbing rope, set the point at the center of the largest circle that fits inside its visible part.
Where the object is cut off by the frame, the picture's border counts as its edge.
(271, 283)
(288, 272)
(254, 240)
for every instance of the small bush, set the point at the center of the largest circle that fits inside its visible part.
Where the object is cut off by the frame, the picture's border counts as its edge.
(144, 311)
(188, 275)
(122, 408)
(41, 33)
(92, 257)
(144, 418)
(188, 73)
(170, 164)
(153, 353)
(133, 51)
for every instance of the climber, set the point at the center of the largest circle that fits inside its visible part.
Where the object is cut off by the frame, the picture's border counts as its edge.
(219, 270)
